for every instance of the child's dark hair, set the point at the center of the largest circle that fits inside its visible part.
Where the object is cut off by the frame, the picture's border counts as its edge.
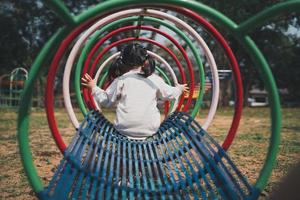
(116, 69)
(132, 56)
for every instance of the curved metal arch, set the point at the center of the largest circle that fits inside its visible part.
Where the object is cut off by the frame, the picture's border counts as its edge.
(23, 118)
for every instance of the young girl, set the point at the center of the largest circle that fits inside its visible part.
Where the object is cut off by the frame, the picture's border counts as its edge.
(134, 91)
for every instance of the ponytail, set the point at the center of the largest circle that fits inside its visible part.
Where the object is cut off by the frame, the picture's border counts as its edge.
(116, 69)
(132, 56)
(149, 67)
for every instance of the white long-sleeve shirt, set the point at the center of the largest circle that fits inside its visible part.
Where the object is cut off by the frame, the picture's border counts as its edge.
(135, 98)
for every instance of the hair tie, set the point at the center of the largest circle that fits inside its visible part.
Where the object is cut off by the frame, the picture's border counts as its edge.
(147, 57)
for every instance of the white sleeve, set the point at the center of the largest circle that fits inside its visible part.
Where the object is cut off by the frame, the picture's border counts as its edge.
(110, 96)
(167, 92)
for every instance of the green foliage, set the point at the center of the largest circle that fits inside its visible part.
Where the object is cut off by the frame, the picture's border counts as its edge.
(240, 10)
(279, 40)
(282, 50)
(28, 24)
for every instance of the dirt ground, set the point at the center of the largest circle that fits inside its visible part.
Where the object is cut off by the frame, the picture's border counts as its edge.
(248, 150)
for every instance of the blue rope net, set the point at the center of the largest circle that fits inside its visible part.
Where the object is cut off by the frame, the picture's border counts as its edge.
(181, 161)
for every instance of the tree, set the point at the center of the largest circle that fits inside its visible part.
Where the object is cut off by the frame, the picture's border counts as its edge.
(279, 40)
(29, 24)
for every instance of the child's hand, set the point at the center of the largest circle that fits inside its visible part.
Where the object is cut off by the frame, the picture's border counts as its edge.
(183, 87)
(88, 82)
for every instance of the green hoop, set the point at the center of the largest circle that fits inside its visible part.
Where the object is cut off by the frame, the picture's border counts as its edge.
(239, 32)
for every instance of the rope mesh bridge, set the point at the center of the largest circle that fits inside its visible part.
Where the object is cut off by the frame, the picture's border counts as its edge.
(181, 161)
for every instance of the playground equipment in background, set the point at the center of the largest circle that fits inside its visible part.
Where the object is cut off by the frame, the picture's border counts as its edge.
(257, 97)
(181, 160)
(11, 86)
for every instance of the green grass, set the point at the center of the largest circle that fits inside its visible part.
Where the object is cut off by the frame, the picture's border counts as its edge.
(248, 150)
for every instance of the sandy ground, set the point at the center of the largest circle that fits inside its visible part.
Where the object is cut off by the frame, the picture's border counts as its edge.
(248, 150)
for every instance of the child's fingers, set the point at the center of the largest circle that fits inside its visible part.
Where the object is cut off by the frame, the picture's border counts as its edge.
(84, 84)
(88, 77)
(186, 88)
(84, 80)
